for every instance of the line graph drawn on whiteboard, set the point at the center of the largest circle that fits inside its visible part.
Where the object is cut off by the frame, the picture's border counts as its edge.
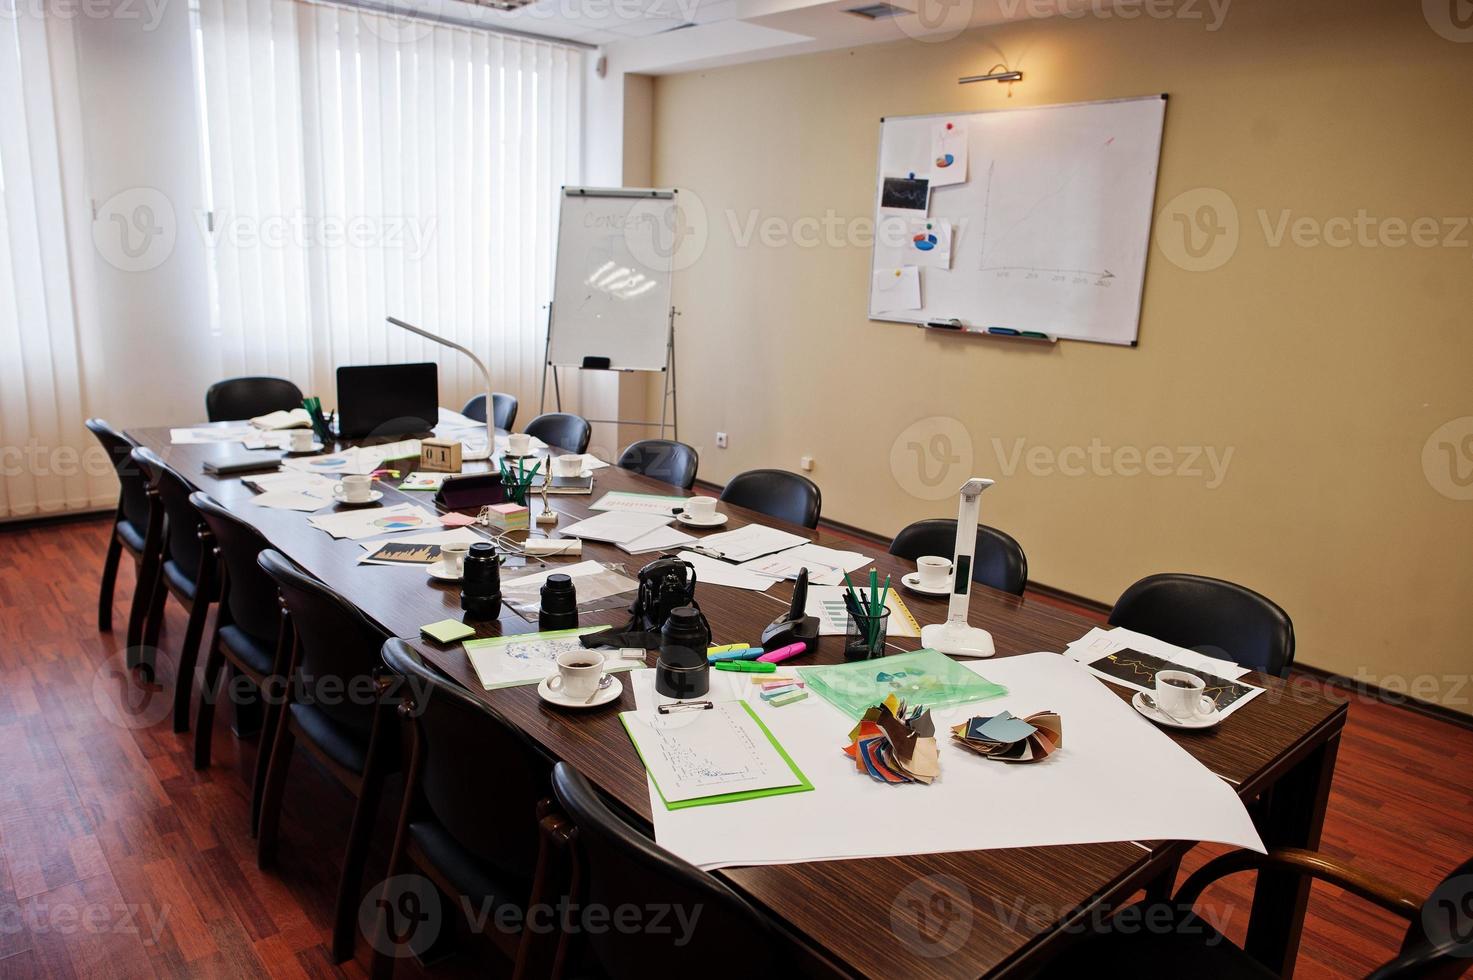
(1054, 224)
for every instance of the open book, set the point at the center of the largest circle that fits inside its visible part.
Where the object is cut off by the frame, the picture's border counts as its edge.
(297, 418)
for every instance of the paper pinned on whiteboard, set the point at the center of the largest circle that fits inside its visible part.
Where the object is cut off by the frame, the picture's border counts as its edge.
(896, 290)
(948, 153)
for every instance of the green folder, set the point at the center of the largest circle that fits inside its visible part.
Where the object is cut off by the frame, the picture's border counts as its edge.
(802, 786)
(920, 677)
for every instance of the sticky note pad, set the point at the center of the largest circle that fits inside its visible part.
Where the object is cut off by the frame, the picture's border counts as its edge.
(797, 694)
(777, 692)
(447, 631)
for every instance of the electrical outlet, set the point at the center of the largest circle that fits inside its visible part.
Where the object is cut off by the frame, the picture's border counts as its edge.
(805, 463)
(721, 440)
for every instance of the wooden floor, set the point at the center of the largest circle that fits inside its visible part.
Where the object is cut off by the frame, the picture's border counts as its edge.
(118, 859)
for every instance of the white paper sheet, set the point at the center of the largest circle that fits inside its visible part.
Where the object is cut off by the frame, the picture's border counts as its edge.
(713, 571)
(364, 459)
(928, 243)
(616, 526)
(460, 535)
(511, 661)
(826, 566)
(312, 484)
(827, 603)
(205, 435)
(1117, 778)
(751, 541)
(637, 503)
(369, 521)
(660, 539)
(290, 500)
(948, 153)
(896, 290)
(694, 754)
(1099, 643)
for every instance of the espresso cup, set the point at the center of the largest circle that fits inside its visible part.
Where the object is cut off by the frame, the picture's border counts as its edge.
(1180, 695)
(700, 508)
(355, 489)
(569, 464)
(519, 443)
(934, 571)
(453, 555)
(578, 673)
(300, 440)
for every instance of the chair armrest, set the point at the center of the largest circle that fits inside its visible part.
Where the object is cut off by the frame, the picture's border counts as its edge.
(1299, 861)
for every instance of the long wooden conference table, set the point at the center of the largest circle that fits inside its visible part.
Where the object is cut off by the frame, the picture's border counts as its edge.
(970, 914)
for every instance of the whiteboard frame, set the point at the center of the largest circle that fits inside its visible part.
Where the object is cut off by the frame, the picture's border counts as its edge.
(982, 331)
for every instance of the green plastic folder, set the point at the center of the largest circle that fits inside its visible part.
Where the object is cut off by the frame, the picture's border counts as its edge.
(802, 786)
(922, 677)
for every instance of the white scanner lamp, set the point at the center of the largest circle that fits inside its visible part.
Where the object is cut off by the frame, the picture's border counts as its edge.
(485, 377)
(954, 636)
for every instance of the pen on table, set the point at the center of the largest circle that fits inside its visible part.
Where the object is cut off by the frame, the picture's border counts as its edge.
(747, 666)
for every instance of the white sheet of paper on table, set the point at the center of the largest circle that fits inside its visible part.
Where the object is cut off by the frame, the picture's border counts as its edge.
(826, 566)
(750, 541)
(290, 500)
(896, 290)
(461, 535)
(660, 539)
(637, 503)
(827, 603)
(1099, 643)
(714, 571)
(312, 484)
(1117, 778)
(616, 526)
(206, 435)
(370, 521)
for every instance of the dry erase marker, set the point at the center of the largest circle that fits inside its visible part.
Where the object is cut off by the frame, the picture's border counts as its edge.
(1002, 331)
(782, 653)
(742, 653)
(746, 666)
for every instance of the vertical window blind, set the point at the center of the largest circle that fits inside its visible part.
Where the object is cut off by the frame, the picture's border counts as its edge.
(45, 462)
(360, 165)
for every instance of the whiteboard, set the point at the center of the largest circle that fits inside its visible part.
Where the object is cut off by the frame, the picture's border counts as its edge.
(1049, 222)
(611, 286)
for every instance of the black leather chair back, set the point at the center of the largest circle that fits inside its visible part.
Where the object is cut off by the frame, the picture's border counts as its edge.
(1439, 942)
(494, 819)
(134, 494)
(1216, 617)
(777, 493)
(337, 649)
(999, 562)
(663, 459)
(183, 523)
(245, 398)
(619, 866)
(250, 593)
(562, 430)
(503, 410)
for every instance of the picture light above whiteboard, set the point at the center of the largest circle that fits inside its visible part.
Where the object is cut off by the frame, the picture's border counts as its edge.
(1018, 221)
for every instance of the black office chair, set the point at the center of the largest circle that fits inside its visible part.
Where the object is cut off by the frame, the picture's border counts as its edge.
(179, 560)
(619, 867)
(334, 705)
(245, 398)
(130, 521)
(1219, 618)
(1170, 940)
(663, 459)
(248, 635)
(503, 410)
(476, 839)
(998, 563)
(776, 493)
(561, 430)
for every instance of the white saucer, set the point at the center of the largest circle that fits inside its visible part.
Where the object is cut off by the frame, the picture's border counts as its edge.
(1162, 718)
(913, 583)
(316, 447)
(610, 693)
(374, 496)
(440, 572)
(716, 520)
(513, 455)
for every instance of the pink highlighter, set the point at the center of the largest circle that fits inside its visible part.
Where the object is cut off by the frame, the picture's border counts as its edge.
(782, 653)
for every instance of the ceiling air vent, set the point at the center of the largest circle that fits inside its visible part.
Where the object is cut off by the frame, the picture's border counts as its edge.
(876, 11)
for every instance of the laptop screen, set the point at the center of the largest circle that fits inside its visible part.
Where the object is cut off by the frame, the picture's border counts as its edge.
(387, 399)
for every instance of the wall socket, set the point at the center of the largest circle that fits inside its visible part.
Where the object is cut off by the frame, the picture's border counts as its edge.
(721, 440)
(805, 463)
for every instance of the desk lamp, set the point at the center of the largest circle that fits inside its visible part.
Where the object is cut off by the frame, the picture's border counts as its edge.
(955, 636)
(485, 376)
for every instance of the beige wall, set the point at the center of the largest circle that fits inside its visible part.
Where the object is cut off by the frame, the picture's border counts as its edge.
(1322, 370)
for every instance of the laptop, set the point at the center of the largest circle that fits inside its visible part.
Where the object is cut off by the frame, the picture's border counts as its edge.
(388, 400)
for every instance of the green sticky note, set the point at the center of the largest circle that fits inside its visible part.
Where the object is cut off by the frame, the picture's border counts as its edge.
(447, 631)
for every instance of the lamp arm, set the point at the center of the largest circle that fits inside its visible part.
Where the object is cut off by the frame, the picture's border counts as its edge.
(485, 374)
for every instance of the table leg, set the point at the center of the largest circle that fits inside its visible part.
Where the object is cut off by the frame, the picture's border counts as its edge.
(1295, 815)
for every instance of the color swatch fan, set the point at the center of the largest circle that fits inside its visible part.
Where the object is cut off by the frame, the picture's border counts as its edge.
(1006, 738)
(895, 744)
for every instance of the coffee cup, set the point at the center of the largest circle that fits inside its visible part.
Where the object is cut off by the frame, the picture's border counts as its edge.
(578, 673)
(300, 440)
(701, 509)
(453, 555)
(355, 488)
(519, 443)
(1180, 695)
(568, 464)
(934, 572)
